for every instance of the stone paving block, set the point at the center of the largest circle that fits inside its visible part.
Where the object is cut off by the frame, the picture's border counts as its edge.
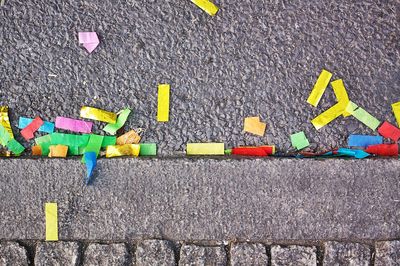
(106, 254)
(387, 253)
(57, 253)
(248, 254)
(293, 255)
(198, 255)
(351, 254)
(12, 254)
(155, 252)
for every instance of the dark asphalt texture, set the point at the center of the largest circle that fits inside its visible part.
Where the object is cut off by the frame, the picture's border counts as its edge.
(253, 58)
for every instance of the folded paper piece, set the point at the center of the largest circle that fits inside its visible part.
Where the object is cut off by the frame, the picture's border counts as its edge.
(51, 213)
(254, 151)
(47, 127)
(358, 154)
(205, 149)
(389, 131)
(396, 111)
(254, 125)
(108, 140)
(130, 137)
(5, 120)
(89, 40)
(90, 159)
(4, 136)
(98, 115)
(383, 149)
(122, 150)
(341, 94)
(363, 116)
(58, 151)
(36, 150)
(163, 103)
(206, 6)
(299, 140)
(319, 87)
(148, 149)
(364, 140)
(93, 145)
(73, 125)
(15, 147)
(122, 117)
(31, 128)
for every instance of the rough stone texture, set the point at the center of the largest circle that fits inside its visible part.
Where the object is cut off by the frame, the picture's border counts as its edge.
(57, 253)
(293, 256)
(197, 255)
(387, 253)
(155, 252)
(203, 199)
(106, 254)
(248, 254)
(12, 254)
(253, 58)
(352, 254)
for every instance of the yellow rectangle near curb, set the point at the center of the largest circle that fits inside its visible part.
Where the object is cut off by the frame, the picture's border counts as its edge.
(51, 212)
(205, 148)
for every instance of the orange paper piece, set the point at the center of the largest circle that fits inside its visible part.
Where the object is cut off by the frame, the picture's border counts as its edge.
(58, 151)
(130, 137)
(36, 150)
(253, 125)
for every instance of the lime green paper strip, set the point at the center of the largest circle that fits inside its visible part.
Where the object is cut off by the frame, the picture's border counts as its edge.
(15, 147)
(122, 117)
(148, 149)
(94, 144)
(163, 103)
(108, 140)
(396, 111)
(363, 116)
(319, 88)
(205, 149)
(44, 142)
(69, 139)
(299, 140)
(341, 94)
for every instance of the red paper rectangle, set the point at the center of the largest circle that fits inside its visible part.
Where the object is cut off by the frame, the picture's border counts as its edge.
(389, 131)
(28, 131)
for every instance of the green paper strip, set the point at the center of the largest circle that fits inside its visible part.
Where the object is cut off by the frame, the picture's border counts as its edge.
(94, 145)
(69, 139)
(148, 149)
(44, 142)
(109, 140)
(74, 151)
(299, 140)
(4, 136)
(15, 147)
(122, 117)
(363, 116)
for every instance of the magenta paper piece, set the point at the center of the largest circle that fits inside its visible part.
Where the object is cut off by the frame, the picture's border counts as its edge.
(89, 40)
(73, 125)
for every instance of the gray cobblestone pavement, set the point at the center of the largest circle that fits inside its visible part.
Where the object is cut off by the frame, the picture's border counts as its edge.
(76, 253)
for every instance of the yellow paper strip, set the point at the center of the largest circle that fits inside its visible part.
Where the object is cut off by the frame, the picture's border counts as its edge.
(98, 114)
(163, 103)
(51, 221)
(341, 94)
(207, 6)
(122, 150)
(205, 149)
(328, 116)
(396, 111)
(5, 120)
(319, 88)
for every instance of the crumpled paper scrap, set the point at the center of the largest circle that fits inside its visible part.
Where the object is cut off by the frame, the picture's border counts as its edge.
(122, 117)
(130, 137)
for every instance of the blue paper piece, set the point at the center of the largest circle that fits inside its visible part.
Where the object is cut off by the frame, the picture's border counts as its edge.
(47, 127)
(364, 140)
(90, 161)
(358, 154)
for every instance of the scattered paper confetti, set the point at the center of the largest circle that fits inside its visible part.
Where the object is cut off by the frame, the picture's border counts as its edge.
(74, 125)
(148, 149)
(299, 140)
(130, 137)
(98, 114)
(90, 159)
(254, 125)
(51, 212)
(122, 117)
(319, 88)
(163, 103)
(364, 140)
(89, 40)
(58, 151)
(122, 150)
(207, 6)
(389, 131)
(36, 150)
(5, 120)
(363, 116)
(47, 127)
(28, 131)
(358, 154)
(383, 149)
(396, 112)
(341, 94)
(205, 149)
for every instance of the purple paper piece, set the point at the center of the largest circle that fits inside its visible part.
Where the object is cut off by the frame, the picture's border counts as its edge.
(90, 40)
(73, 125)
